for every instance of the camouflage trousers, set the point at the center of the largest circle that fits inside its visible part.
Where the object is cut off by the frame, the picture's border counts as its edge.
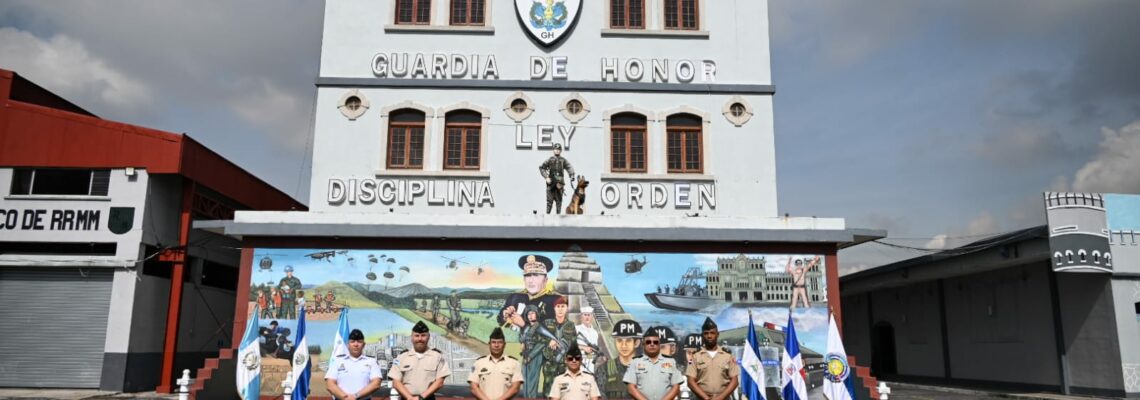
(554, 197)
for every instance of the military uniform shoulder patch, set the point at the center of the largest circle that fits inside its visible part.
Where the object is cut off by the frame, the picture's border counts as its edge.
(436, 350)
(513, 358)
(402, 352)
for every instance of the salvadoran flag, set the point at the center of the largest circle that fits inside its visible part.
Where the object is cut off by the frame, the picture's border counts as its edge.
(301, 361)
(340, 341)
(752, 381)
(795, 377)
(838, 382)
(248, 376)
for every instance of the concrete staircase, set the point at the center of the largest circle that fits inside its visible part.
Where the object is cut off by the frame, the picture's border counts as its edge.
(601, 315)
(866, 386)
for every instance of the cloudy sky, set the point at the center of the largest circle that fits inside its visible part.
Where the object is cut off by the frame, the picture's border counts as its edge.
(938, 120)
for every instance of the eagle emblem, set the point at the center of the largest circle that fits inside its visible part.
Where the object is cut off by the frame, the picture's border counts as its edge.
(547, 21)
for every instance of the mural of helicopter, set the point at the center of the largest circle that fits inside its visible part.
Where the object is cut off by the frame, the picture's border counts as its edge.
(322, 255)
(634, 265)
(453, 263)
(480, 267)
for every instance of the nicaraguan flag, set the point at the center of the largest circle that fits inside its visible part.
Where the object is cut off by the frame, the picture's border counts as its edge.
(838, 384)
(249, 360)
(340, 341)
(301, 362)
(795, 377)
(752, 382)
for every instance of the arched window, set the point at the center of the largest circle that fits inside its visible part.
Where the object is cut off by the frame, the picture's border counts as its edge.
(462, 138)
(468, 12)
(406, 139)
(627, 14)
(683, 143)
(413, 12)
(627, 142)
(681, 14)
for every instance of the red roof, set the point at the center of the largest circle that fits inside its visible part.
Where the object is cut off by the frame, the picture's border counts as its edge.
(41, 129)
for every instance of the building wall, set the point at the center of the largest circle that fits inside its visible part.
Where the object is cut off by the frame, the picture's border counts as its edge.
(913, 313)
(1000, 326)
(347, 150)
(1089, 323)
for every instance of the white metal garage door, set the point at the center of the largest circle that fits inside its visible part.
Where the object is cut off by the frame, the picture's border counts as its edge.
(53, 322)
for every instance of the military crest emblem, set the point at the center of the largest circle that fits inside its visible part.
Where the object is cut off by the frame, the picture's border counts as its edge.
(837, 368)
(121, 220)
(548, 21)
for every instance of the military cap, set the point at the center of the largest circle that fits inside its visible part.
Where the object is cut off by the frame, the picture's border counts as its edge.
(558, 146)
(626, 328)
(356, 334)
(694, 341)
(664, 333)
(709, 325)
(535, 264)
(574, 351)
(497, 334)
(651, 332)
(586, 310)
(420, 327)
(288, 268)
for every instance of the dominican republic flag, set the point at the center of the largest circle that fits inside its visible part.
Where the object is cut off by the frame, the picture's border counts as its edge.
(752, 382)
(301, 362)
(340, 341)
(249, 360)
(795, 377)
(838, 382)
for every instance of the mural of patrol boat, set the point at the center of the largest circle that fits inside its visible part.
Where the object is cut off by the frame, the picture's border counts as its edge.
(690, 294)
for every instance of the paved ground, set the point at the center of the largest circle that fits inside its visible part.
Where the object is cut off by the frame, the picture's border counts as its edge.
(904, 391)
(76, 394)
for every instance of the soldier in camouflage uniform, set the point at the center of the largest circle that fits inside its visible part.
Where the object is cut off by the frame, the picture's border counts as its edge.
(552, 170)
(553, 363)
(288, 287)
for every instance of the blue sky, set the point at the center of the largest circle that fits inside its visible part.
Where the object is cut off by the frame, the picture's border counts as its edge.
(938, 120)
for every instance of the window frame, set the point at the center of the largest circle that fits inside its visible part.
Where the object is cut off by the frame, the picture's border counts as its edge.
(680, 19)
(628, 131)
(684, 132)
(94, 175)
(409, 127)
(626, 16)
(468, 18)
(415, 12)
(464, 128)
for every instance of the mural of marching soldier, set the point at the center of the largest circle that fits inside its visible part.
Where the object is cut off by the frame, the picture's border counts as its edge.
(552, 169)
(288, 287)
(532, 352)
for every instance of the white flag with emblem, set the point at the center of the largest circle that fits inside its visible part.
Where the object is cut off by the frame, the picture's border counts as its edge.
(248, 368)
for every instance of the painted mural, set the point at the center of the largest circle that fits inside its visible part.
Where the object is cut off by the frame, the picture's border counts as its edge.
(543, 301)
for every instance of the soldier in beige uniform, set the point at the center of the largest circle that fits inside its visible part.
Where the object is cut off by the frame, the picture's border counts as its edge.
(575, 383)
(496, 377)
(418, 373)
(713, 374)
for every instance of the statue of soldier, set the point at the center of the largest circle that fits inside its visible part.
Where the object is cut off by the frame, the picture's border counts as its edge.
(532, 352)
(552, 169)
(288, 287)
(554, 353)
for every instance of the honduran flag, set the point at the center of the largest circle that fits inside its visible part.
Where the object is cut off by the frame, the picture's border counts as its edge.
(752, 380)
(301, 362)
(248, 376)
(795, 376)
(340, 341)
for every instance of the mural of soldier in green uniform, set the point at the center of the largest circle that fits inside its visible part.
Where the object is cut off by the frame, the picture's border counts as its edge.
(563, 333)
(288, 287)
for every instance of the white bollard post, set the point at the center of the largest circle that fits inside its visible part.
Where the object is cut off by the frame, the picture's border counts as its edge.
(184, 385)
(883, 391)
(392, 393)
(685, 393)
(287, 384)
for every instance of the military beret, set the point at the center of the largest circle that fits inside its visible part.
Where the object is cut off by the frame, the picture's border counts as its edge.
(420, 327)
(560, 300)
(626, 328)
(709, 325)
(535, 264)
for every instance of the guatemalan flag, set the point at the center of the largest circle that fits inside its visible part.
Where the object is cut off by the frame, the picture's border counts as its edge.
(752, 382)
(301, 362)
(838, 383)
(795, 377)
(249, 360)
(340, 341)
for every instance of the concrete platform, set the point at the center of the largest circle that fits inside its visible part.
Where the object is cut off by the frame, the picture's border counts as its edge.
(77, 394)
